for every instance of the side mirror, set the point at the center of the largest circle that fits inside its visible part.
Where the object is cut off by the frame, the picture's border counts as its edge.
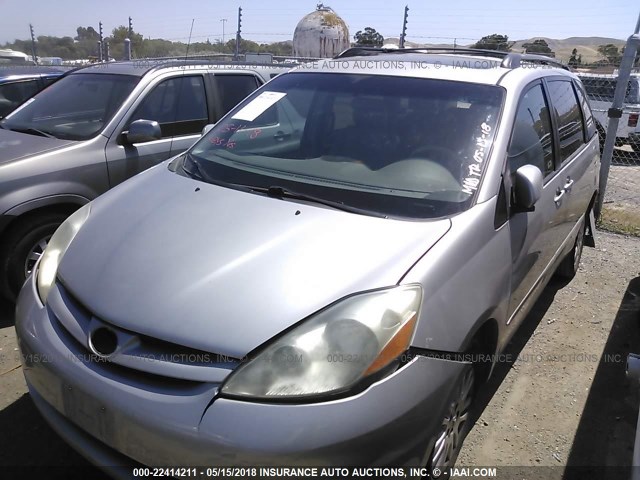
(141, 131)
(527, 188)
(207, 128)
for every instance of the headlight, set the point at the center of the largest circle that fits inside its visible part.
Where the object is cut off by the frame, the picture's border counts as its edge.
(334, 349)
(57, 246)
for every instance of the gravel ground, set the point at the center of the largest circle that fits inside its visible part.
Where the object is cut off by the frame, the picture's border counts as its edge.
(561, 398)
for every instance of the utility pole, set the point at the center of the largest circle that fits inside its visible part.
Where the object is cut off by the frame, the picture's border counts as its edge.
(238, 34)
(224, 21)
(33, 45)
(100, 43)
(404, 26)
(127, 41)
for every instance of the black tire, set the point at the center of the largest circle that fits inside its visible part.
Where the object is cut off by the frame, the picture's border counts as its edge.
(570, 264)
(18, 243)
(443, 455)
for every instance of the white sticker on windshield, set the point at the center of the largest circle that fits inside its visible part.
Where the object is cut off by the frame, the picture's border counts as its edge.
(258, 106)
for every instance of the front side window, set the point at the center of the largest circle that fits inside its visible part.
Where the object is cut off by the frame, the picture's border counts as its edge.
(178, 104)
(568, 116)
(398, 146)
(13, 94)
(531, 140)
(76, 107)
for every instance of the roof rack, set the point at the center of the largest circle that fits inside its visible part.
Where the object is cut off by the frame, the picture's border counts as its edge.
(509, 59)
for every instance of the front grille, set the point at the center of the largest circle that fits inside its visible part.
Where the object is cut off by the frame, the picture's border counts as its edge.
(136, 351)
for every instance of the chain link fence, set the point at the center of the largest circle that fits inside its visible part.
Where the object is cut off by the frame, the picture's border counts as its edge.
(615, 102)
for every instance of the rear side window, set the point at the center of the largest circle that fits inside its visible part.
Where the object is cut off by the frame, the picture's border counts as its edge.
(531, 141)
(589, 123)
(178, 104)
(568, 117)
(232, 89)
(14, 93)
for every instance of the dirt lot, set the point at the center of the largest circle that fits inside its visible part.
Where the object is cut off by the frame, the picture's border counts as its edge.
(621, 208)
(560, 398)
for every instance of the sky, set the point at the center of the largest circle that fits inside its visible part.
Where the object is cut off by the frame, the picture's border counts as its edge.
(430, 21)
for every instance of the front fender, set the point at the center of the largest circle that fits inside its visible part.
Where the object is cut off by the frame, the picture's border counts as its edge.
(466, 278)
(47, 201)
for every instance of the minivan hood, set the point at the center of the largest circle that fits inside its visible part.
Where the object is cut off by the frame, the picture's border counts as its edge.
(222, 270)
(15, 145)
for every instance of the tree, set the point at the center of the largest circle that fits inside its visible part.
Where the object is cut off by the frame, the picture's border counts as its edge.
(575, 59)
(116, 42)
(495, 42)
(610, 52)
(539, 46)
(370, 38)
(88, 33)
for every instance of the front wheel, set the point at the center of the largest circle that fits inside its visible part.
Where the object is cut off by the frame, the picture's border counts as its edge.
(455, 425)
(21, 248)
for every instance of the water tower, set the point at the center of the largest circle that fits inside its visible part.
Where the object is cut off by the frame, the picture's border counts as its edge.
(321, 34)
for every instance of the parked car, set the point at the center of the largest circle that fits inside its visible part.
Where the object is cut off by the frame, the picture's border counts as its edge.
(18, 84)
(600, 89)
(14, 57)
(93, 129)
(326, 276)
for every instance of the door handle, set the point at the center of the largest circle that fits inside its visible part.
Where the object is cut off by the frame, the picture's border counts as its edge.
(281, 136)
(559, 195)
(568, 185)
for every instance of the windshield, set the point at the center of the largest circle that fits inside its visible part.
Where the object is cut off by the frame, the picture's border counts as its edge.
(76, 107)
(399, 146)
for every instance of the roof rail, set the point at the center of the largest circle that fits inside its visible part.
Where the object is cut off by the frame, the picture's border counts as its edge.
(158, 64)
(509, 59)
(514, 60)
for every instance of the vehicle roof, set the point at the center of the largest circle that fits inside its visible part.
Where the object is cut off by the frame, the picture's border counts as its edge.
(141, 67)
(460, 67)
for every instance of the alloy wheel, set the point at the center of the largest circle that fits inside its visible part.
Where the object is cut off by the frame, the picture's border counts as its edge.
(452, 430)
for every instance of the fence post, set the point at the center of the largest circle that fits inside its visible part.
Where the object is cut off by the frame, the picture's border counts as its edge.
(615, 112)
(127, 49)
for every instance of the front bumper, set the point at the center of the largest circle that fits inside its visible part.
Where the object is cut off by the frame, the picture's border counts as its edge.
(115, 416)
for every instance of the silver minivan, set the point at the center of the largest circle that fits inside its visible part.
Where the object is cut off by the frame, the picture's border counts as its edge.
(93, 129)
(326, 277)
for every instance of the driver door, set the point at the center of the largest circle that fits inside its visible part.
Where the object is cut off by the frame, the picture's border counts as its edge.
(179, 105)
(535, 235)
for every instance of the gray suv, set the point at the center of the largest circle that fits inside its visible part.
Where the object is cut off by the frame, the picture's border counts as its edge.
(326, 277)
(95, 128)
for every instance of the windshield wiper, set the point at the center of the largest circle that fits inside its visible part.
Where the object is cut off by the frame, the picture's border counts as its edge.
(32, 131)
(272, 191)
(281, 193)
(196, 173)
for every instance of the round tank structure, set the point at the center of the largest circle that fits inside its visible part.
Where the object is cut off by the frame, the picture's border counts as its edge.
(321, 34)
